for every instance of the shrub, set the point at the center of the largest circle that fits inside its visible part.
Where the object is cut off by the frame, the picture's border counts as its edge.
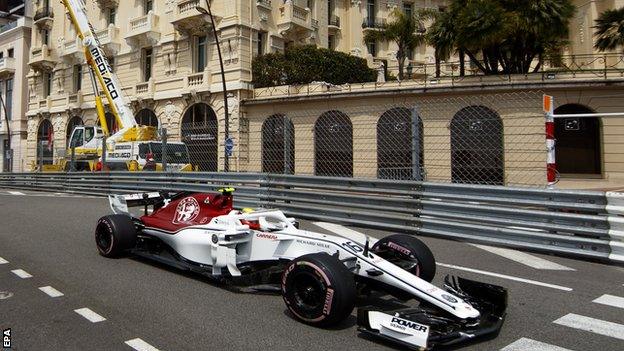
(306, 64)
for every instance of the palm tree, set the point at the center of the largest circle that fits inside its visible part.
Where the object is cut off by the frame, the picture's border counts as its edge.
(502, 36)
(610, 30)
(406, 31)
(441, 35)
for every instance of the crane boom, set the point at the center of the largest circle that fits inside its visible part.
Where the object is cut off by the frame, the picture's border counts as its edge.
(100, 67)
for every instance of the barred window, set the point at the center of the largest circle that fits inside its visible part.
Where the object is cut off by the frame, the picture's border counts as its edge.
(278, 145)
(399, 145)
(147, 117)
(333, 145)
(477, 146)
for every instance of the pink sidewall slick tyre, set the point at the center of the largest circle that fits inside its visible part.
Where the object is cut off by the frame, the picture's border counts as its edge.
(404, 249)
(114, 234)
(318, 289)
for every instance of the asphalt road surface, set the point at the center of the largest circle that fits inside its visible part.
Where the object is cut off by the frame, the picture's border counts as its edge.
(57, 293)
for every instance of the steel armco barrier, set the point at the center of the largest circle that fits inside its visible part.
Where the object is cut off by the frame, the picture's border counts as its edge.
(582, 224)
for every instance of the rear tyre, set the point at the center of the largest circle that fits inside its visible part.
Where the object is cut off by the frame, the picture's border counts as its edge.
(408, 252)
(318, 289)
(114, 234)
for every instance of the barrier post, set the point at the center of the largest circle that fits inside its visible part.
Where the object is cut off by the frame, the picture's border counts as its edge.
(551, 164)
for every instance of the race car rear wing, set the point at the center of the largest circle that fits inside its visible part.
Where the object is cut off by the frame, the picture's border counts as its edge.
(119, 204)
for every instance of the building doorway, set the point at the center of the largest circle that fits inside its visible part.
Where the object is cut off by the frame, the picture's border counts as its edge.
(578, 142)
(200, 132)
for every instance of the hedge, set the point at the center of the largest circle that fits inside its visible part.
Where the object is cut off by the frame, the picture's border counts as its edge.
(306, 64)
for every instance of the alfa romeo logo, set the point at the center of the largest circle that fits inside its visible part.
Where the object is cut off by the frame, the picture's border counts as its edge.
(187, 210)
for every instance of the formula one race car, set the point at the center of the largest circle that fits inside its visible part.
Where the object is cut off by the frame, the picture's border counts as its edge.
(319, 276)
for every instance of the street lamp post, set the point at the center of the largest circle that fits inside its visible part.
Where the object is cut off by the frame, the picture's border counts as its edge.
(208, 13)
(8, 127)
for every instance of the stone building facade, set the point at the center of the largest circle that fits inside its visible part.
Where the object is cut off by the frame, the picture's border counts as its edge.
(164, 55)
(15, 34)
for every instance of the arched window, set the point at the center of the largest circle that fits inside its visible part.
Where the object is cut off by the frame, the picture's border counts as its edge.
(477, 146)
(45, 143)
(578, 142)
(200, 132)
(400, 145)
(147, 117)
(111, 123)
(278, 145)
(333, 145)
(71, 124)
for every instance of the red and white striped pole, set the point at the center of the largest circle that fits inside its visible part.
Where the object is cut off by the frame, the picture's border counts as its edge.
(551, 165)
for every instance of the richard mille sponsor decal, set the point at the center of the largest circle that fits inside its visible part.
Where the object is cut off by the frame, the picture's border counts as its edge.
(403, 324)
(187, 210)
(312, 243)
(266, 236)
(449, 298)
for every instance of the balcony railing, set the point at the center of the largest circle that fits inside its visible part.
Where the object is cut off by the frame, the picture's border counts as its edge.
(107, 4)
(187, 19)
(75, 100)
(43, 13)
(143, 30)
(41, 58)
(44, 18)
(264, 3)
(7, 65)
(291, 13)
(334, 21)
(109, 39)
(8, 26)
(197, 81)
(373, 23)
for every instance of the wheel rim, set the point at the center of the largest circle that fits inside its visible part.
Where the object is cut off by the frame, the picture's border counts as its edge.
(104, 239)
(308, 292)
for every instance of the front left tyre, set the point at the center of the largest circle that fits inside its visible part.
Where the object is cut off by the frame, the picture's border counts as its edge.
(115, 234)
(318, 289)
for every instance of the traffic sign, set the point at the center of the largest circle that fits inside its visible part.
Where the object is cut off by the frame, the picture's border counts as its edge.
(229, 146)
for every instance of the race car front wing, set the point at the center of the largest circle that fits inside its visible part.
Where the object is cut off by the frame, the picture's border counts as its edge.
(425, 327)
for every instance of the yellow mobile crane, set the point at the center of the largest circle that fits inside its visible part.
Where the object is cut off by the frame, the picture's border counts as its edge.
(129, 148)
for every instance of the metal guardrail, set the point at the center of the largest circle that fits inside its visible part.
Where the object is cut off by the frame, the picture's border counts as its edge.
(582, 224)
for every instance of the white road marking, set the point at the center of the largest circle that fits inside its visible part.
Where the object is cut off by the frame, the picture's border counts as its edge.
(524, 258)
(345, 232)
(610, 300)
(593, 325)
(140, 345)
(3, 261)
(50, 291)
(503, 276)
(16, 193)
(21, 273)
(525, 344)
(90, 315)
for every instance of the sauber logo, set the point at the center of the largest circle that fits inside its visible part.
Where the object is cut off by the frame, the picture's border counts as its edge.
(187, 210)
(403, 324)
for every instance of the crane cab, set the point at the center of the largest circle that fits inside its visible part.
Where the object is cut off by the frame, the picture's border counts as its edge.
(85, 138)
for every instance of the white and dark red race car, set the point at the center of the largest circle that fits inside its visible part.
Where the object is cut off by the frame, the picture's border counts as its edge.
(319, 276)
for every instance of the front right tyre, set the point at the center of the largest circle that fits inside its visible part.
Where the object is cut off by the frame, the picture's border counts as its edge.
(115, 234)
(318, 289)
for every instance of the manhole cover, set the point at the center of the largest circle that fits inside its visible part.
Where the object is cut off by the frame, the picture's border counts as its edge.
(5, 295)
